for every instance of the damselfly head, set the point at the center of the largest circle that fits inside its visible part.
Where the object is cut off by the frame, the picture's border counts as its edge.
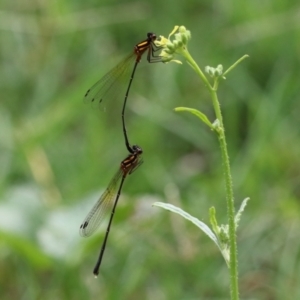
(137, 149)
(151, 36)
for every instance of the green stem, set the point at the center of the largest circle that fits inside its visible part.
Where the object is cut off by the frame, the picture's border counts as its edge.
(194, 65)
(230, 204)
(235, 64)
(227, 173)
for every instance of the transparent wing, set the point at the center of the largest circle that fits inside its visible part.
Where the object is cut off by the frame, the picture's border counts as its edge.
(112, 83)
(102, 208)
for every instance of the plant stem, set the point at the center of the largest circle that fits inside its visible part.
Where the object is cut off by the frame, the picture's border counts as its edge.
(194, 65)
(233, 266)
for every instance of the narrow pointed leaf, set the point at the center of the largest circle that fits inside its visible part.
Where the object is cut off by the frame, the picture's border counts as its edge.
(194, 220)
(240, 211)
(197, 113)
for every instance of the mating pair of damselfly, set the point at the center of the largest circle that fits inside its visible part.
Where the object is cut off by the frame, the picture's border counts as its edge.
(97, 93)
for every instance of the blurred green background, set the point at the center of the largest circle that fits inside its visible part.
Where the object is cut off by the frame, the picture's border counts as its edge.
(57, 154)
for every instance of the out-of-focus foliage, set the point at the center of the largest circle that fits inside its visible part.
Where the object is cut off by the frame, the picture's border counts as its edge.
(58, 154)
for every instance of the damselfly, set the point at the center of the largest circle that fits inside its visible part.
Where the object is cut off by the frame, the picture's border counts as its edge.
(111, 83)
(109, 200)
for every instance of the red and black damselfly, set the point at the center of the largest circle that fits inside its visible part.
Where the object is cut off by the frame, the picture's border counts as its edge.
(108, 85)
(107, 203)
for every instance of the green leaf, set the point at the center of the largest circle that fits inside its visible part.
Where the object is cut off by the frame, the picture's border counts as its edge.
(213, 220)
(199, 224)
(240, 211)
(235, 64)
(197, 113)
(187, 216)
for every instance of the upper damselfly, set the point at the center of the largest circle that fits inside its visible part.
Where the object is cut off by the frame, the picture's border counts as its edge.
(109, 85)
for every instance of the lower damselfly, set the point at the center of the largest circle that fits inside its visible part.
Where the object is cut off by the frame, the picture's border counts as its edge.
(107, 203)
